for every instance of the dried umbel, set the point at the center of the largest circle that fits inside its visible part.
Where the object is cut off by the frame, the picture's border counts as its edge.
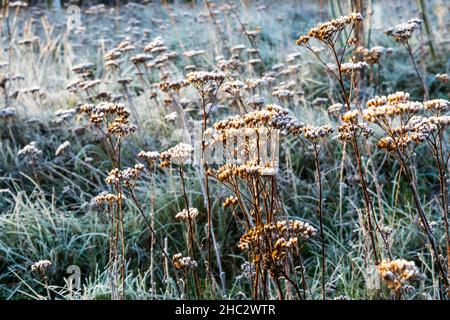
(149, 156)
(248, 271)
(30, 153)
(107, 198)
(404, 31)
(64, 115)
(230, 201)
(141, 58)
(399, 273)
(175, 85)
(351, 67)
(371, 56)
(184, 263)
(41, 266)
(178, 155)
(128, 176)
(396, 115)
(272, 116)
(315, 134)
(83, 67)
(443, 77)
(272, 243)
(335, 108)
(383, 108)
(186, 215)
(437, 105)
(283, 94)
(7, 113)
(296, 227)
(351, 130)
(234, 88)
(194, 53)
(201, 78)
(330, 30)
(156, 46)
(229, 172)
(114, 115)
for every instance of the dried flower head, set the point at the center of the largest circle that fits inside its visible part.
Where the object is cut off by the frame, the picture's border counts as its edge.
(177, 155)
(184, 263)
(41, 266)
(330, 30)
(404, 31)
(30, 153)
(399, 273)
(186, 215)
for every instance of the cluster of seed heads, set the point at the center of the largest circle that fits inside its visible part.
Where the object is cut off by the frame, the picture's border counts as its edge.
(149, 156)
(184, 263)
(127, 176)
(228, 172)
(404, 31)
(186, 215)
(327, 31)
(399, 273)
(114, 115)
(30, 153)
(177, 155)
(230, 201)
(200, 78)
(371, 56)
(41, 266)
(314, 133)
(350, 67)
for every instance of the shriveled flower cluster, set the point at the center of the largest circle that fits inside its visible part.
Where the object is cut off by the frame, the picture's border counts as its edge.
(404, 31)
(248, 270)
(233, 87)
(328, 31)
(384, 111)
(371, 56)
(351, 130)
(7, 113)
(184, 263)
(107, 198)
(396, 104)
(443, 77)
(272, 116)
(397, 274)
(156, 46)
(272, 243)
(437, 104)
(228, 171)
(230, 201)
(177, 155)
(127, 176)
(350, 67)
(41, 266)
(186, 215)
(149, 156)
(30, 153)
(296, 227)
(175, 85)
(315, 134)
(114, 115)
(200, 78)
(63, 115)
